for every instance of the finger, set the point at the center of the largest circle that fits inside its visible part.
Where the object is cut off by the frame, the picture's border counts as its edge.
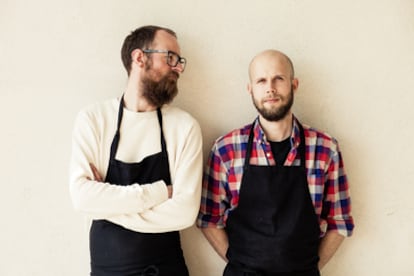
(95, 172)
(93, 169)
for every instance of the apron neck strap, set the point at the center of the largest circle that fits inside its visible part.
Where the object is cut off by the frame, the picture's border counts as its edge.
(115, 141)
(302, 146)
(249, 148)
(163, 144)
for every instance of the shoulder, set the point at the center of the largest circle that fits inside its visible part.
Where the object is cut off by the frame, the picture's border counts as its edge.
(99, 110)
(177, 115)
(96, 116)
(236, 133)
(319, 138)
(234, 139)
(313, 132)
(180, 122)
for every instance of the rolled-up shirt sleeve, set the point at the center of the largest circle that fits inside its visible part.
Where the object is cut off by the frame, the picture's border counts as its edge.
(336, 210)
(214, 199)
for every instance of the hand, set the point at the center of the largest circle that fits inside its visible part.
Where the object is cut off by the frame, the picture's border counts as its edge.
(170, 190)
(96, 175)
(218, 239)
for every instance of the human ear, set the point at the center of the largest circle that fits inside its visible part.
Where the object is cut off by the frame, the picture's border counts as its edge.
(295, 84)
(137, 57)
(249, 88)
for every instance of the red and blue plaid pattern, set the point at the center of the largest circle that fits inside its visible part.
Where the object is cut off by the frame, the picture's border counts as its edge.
(328, 184)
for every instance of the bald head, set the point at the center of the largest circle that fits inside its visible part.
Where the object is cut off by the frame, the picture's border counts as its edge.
(271, 58)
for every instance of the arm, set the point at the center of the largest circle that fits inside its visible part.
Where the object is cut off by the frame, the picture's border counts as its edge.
(336, 208)
(218, 239)
(328, 246)
(181, 209)
(98, 178)
(97, 199)
(214, 202)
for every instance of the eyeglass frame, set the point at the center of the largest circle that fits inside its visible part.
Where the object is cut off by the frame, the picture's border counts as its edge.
(181, 60)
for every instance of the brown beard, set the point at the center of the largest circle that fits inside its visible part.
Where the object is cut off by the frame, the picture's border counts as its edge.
(160, 92)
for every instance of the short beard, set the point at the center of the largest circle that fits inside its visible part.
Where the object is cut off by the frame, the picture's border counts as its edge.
(277, 114)
(160, 92)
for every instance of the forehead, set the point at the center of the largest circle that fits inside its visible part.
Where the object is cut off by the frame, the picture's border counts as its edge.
(166, 41)
(269, 65)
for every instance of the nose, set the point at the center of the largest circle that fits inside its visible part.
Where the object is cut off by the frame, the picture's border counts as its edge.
(178, 68)
(271, 88)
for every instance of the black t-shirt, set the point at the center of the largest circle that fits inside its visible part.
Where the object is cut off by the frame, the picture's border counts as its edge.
(280, 150)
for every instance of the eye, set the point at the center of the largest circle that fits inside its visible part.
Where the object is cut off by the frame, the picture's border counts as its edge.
(261, 81)
(171, 58)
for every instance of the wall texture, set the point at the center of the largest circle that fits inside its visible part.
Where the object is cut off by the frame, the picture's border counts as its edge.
(354, 60)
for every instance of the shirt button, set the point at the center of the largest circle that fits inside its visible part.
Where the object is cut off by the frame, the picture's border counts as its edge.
(268, 154)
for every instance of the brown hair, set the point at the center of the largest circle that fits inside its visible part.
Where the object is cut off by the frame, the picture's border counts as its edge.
(139, 39)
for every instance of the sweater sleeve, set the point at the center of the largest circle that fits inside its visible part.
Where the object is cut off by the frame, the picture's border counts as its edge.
(180, 211)
(103, 200)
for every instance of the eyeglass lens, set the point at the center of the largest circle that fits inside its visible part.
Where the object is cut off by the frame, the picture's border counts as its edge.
(174, 59)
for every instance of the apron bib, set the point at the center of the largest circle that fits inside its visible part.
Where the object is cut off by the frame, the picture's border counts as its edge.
(274, 229)
(117, 251)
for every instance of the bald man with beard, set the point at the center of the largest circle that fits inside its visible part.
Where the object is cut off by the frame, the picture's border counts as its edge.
(275, 198)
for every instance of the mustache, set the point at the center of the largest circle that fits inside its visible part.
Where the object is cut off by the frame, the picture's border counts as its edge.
(173, 73)
(273, 97)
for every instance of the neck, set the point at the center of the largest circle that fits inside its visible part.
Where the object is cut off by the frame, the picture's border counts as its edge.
(134, 99)
(277, 131)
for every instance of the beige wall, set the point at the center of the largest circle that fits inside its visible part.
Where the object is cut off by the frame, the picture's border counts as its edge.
(354, 60)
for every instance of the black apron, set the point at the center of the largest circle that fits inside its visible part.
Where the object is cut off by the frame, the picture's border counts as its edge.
(274, 229)
(117, 251)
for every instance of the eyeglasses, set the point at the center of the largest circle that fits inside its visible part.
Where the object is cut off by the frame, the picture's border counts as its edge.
(172, 58)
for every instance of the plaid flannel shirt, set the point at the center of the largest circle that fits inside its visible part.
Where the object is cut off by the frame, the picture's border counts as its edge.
(327, 181)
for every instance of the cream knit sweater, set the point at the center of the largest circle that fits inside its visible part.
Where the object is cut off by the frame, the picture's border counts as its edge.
(142, 208)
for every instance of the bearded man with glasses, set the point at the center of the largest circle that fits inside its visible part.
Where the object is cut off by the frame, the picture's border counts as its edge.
(136, 164)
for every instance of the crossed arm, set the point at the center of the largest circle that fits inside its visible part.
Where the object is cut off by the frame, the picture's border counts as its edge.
(153, 208)
(98, 178)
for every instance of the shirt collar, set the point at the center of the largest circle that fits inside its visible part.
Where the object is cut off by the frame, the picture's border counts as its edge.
(260, 136)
